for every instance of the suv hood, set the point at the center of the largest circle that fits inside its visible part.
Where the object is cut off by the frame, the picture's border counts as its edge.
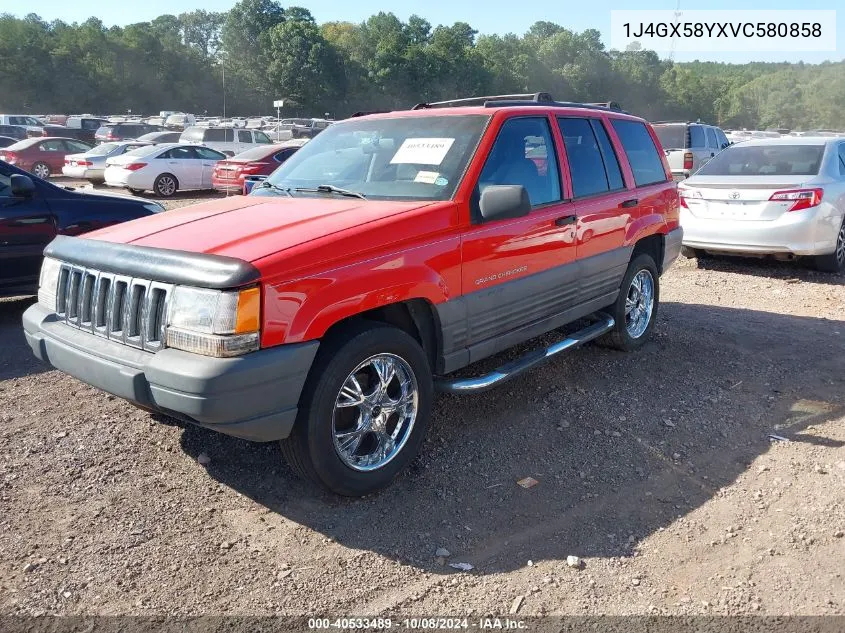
(251, 227)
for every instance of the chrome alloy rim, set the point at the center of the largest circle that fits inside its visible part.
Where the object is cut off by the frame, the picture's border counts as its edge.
(639, 304)
(840, 246)
(374, 412)
(42, 171)
(166, 186)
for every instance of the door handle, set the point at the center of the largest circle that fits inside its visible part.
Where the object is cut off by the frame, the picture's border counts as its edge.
(565, 220)
(712, 154)
(627, 204)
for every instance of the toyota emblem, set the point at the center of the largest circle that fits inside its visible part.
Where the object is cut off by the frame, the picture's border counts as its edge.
(734, 195)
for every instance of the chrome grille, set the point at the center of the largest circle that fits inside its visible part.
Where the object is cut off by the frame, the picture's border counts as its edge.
(128, 310)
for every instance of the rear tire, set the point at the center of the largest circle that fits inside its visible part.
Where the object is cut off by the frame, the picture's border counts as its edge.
(635, 309)
(136, 192)
(833, 262)
(41, 170)
(166, 185)
(364, 410)
(691, 253)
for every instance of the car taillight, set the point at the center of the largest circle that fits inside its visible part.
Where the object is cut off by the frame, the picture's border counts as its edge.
(687, 160)
(84, 163)
(134, 166)
(9, 157)
(801, 198)
(251, 168)
(683, 201)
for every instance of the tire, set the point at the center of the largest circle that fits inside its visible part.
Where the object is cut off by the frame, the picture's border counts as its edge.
(315, 448)
(691, 253)
(833, 262)
(41, 170)
(629, 334)
(136, 192)
(166, 185)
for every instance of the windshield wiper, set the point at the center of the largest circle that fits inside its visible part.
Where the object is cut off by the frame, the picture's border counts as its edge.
(332, 189)
(270, 185)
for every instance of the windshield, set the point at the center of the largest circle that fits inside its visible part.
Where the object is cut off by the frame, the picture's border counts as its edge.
(255, 153)
(672, 136)
(407, 158)
(765, 160)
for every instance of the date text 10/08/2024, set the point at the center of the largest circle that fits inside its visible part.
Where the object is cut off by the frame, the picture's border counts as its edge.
(416, 624)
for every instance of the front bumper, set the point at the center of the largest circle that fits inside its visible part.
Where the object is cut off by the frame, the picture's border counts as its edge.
(254, 397)
(797, 233)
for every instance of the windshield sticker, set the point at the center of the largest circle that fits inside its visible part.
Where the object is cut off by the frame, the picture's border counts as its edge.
(423, 151)
(428, 177)
(441, 182)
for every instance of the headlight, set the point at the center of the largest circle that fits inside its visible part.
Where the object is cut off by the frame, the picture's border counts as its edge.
(214, 322)
(48, 283)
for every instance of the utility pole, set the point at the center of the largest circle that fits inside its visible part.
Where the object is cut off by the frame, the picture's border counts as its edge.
(224, 88)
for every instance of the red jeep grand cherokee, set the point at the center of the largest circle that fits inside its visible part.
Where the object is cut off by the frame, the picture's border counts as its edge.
(395, 248)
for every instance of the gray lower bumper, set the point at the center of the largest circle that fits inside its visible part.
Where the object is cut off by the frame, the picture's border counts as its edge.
(672, 247)
(254, 396)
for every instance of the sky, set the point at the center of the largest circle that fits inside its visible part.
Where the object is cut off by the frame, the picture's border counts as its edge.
(487, 16)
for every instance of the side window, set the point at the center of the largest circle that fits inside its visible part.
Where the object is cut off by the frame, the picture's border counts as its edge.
(711, 138)
(244, 136)
(52, 146)
(642, 154)
(586, 165)
(282, 156)
(696, 137)
(261, 137)
(5, 185)
(842, 160)
(74, 146)
(721, 138)
(608, 154)
(16, 120)
(215, 135)
(524, 154)
(206, 153)
(182, 153)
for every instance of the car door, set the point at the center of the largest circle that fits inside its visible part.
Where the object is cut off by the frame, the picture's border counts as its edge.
(519, 271)
(183, 163)
(208, 159)
(604, 205)
(52, 152)
(244, 141)
(27, 225)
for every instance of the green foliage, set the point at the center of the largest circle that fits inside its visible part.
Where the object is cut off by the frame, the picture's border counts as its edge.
(267, 52)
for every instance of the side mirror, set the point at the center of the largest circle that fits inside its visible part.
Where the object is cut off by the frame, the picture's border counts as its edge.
(22, 186)
(502, 202)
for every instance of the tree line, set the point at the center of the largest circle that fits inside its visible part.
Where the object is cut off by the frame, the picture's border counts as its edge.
(263, 52)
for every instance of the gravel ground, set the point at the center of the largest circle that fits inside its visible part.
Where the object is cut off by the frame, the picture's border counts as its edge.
(654, 469)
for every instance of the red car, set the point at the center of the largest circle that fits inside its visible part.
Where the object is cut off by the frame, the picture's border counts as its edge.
(325, 308)
(228, 175)
(42, 156)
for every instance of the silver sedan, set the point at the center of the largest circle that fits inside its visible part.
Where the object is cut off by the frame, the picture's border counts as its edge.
(783, 197)
(91, 165)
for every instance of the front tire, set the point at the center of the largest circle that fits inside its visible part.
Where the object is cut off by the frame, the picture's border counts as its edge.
(166, 185)
(136, 192)
(833, 262)
(364, 410)
(635, 309)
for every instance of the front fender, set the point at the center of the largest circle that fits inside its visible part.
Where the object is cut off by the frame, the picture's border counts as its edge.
(303, 309)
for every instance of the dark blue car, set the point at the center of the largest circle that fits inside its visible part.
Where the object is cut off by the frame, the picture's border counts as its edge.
(33, 212)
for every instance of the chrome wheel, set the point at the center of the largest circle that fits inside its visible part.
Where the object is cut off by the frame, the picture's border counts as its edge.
(840, 247)
(374, 412)
(639, 304)
(166, 186)
(41, 170)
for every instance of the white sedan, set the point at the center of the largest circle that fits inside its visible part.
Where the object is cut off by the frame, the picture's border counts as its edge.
(91, 165)
(164, 169)
(783, 197)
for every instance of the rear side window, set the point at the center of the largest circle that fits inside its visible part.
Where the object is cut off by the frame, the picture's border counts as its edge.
(711, 138)
(765, 160)
(721, 138)
(842, 160)
(608, 154)
(672, 136)
(586, 164)
(282, 156)
(244, 136)
(641, 152)
(261, 137)
(90, 124)
(696, 137)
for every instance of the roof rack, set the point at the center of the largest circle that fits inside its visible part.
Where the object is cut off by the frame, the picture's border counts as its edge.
(368, 112)
(535, 97)
(530, 99)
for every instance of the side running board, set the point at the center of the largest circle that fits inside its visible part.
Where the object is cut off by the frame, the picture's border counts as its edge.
(526, 362)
